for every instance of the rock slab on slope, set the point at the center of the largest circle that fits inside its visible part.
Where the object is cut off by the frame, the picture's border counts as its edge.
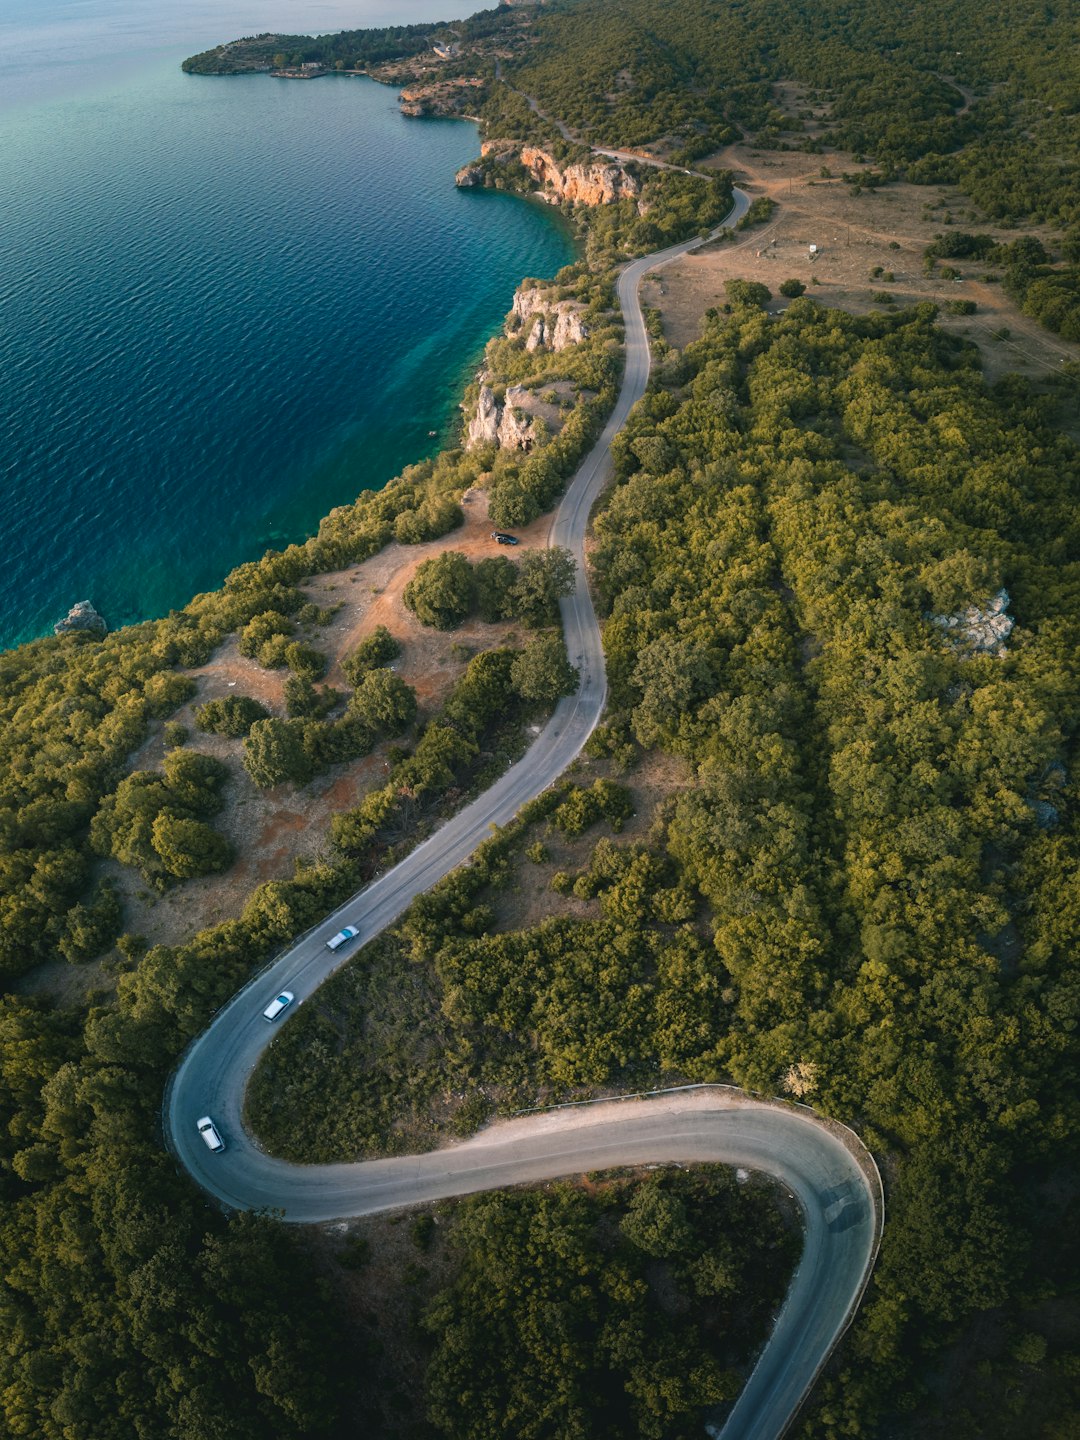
(508, 425)
(81, 619)
(976, 631)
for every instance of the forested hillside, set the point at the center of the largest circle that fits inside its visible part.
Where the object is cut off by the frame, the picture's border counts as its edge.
(693, 71)
(127, 1306)
(867, 899)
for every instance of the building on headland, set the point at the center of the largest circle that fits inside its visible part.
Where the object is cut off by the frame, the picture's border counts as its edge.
(309, 70)
(449, 51)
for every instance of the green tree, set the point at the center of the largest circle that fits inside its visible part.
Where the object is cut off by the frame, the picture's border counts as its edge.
(541, 672)
(383, 702)
(274, 753)
(378, 648)
(441, 592)
(260, 629)
(749, 293)
(189, 847)
(305, 661)
(671, 676)
(544, 576)
(195, 781)
(494, 579)
(231, 715)
(92, 926)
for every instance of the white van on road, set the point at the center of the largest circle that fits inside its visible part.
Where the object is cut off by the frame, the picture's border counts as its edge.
(208, 1131)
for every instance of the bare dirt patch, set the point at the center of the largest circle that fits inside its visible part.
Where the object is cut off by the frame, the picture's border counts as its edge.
(370, 595)
(271, 829)
(66, 985)
(887, 228)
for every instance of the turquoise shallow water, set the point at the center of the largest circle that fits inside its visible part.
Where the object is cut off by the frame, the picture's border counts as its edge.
(226, 305)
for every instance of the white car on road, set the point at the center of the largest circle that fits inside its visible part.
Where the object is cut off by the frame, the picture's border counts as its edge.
(342, 937)
(208, 1131)
(279, 1003)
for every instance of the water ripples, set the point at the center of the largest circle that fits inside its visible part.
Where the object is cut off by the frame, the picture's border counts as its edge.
(226, 306)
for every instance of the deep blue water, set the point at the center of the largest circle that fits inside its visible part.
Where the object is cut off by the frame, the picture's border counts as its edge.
(226, 305)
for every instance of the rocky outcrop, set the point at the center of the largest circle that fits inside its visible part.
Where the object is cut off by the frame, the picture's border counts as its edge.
(600, 182)
(597, 183)
(570, 329)
(517, 429)
(483, 428)
(81, 619)
(495, 155)
(508, 425)
(547, 324)
(978, 632)
(449, 98)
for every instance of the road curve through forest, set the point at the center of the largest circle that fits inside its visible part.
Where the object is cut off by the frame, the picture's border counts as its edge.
(828, 1171)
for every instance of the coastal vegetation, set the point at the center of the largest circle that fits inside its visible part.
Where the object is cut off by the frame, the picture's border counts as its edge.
(129, 1307)
(354, 49)
(448, 587)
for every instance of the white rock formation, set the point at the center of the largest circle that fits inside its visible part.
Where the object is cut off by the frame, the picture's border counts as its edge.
(507, 425)
(516, 427)
(82, 618)
(483, 428)
(978, 632)
(569, 327)
(548, 324)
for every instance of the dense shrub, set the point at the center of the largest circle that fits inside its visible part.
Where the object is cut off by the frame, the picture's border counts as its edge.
(233, 715)
(441, 591)
(378, 648)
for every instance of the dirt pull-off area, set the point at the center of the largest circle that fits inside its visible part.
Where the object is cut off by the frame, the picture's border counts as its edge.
(855, 233)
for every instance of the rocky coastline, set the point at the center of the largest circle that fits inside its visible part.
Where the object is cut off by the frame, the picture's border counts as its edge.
(507, 164)
(520, 420)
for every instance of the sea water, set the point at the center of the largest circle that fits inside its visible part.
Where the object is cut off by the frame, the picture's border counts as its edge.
(227, 304)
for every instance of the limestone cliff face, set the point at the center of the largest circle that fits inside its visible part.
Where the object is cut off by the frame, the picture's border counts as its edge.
(516, 427)
(507, 425)
(483, 428)
(547, 324)
(598, 183)
(601, 182)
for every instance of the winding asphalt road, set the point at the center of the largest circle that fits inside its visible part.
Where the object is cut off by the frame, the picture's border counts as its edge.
(833, 1178)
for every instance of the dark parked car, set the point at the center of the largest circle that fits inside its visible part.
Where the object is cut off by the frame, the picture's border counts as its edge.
(504, 539)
